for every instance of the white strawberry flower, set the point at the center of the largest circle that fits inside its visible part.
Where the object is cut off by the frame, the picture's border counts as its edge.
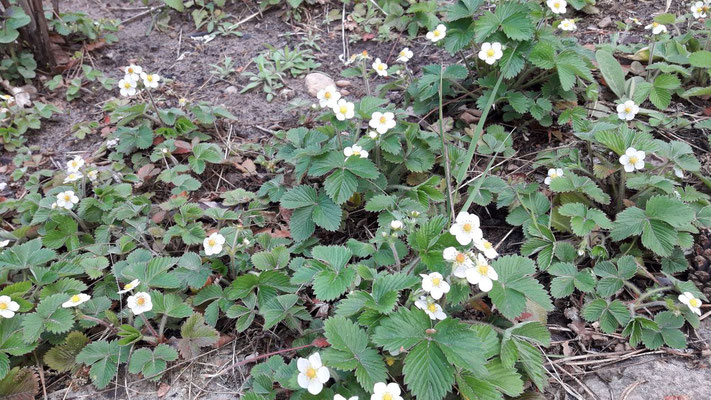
(435, 285)
(459, 259)
(150, 80)
(382, 122)
(73, 177)
(627, 111)
(381, 391)
(213, 244)
(568, 25)
(4, 243)
(437, 34)
(344, 110)
(656, 28)
(127, 86)
(557, 6)
(679, 172)
(632, 160)
(328, 96)
(396, 225)
(552, 174)
(339, 397)
(380, 67)
(139, 303)
(374, 135)
(486, 248)
(699, 10)
(67, 199)
(692, 302)
(8, 307)
(133, 71)
(92, 175)
(355, 150)
(75, 164)
(490, 52)
(481, 274)
(466, 228)
(312, 373)
(76, 299)
(129, 286)
(428, 305)
(405, 55)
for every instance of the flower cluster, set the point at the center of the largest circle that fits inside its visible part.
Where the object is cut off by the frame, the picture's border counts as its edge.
(700, 9)
(312, 375)
(128, 86)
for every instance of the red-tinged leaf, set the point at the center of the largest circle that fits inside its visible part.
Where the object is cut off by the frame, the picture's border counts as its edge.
(182, 147)
(320, 342)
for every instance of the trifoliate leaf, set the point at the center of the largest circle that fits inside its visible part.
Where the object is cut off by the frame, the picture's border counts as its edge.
(349, 350)
(610, 314)
(515, 285)
(405, 328)
(62, 357)
(104, 358)
(567, 278)
(194, 335)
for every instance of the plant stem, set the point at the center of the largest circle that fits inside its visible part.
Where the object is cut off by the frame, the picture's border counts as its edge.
(161, 327)
(447, 165)
(365, 77)
(99, 321)
(395, 256)
(150, 96)
(79, 220)
(650, 293)
(621, 190)
(149, 326)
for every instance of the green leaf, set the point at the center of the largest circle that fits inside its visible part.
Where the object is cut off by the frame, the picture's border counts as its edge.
(49, 316)
(669, 332)
(700, 59)
(460, 345)
(26, 256)
(567, 278)
(380, 202)
(341, 185)
(403, 329)
(19, 383)
(349, 350)
(300, 196)
(612, 71)
(428, 374)
(104, 358)
(62, 357)
(175, 4)
(661, 92)
(152, 363)
(170, 304)
(610, 314)
(515, 285)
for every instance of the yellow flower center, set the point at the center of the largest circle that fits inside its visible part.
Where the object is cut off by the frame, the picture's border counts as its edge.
(633, 160)
(483, 269)
(655, 24)
(149, 78)
(461, 257)
(381, 67)
(554, 175)
(141, 301)
(364, 53)
(67, 197)
(128, 286)
(432, 307)
(490, 52)
(127, 85)
(556, 4)
(343, 109)
(387, 396)
(694, 302)
(211, 242)
(436, 34)
(130, 70)
(403, 54)
(487, 244)
(467, 227)
(311, 372)
(436, 281)
(356, 152)
(75, 298)
(383, 119)
(3, 306)
(327, 95)
(628, 110)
